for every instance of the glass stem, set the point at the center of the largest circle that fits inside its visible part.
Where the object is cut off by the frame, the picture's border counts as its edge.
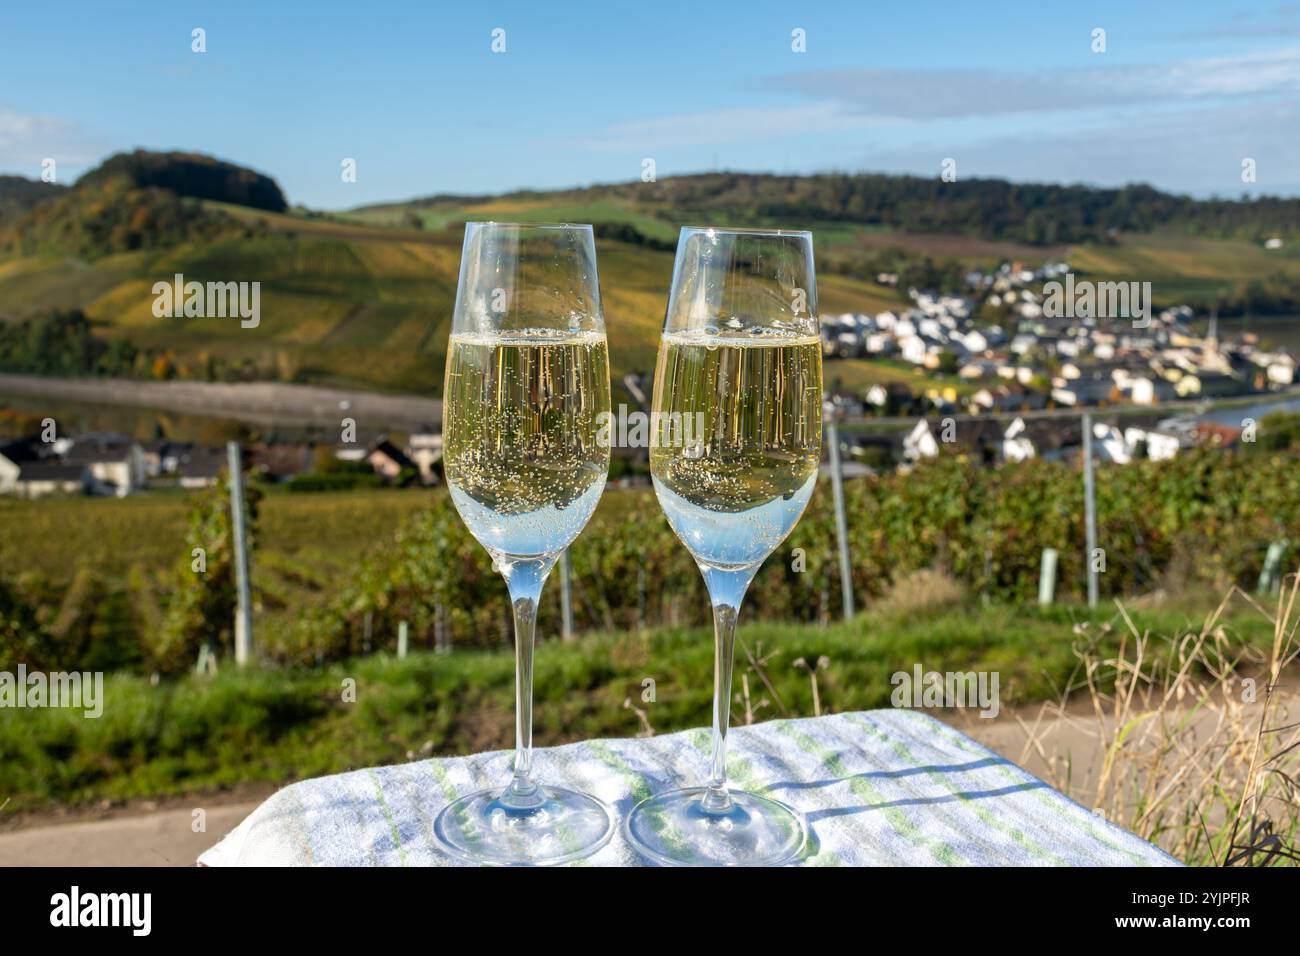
(726, 592)
(524, 579)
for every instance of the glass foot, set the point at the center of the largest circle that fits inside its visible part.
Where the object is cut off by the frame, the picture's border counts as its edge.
(559, 826)
(675, 829)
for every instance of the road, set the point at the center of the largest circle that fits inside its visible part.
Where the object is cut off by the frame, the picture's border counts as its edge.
(256, 403)
(1198, 407)
(272, 403)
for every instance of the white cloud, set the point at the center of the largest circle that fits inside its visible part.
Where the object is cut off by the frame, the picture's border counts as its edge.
(1197, 151)
(28, 138)
(728, 126)
(1183, 126)
(1281, 21)
(943, 93)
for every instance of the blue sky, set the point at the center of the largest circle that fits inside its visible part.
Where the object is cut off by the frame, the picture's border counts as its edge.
(585, 92)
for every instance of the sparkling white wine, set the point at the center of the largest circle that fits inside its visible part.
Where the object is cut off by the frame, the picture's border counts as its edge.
(733, 490)
(523, 450)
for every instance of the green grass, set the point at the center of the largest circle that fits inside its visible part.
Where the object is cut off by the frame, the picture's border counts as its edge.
(519, 209)
(266, 726)
(1183, 268)
(1273, 330)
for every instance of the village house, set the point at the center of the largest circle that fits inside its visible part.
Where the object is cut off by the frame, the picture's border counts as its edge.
(1075, 361)
(280, 461)
(201, 466)
(1109, 444)
(115, 462)
(978, 368)
(1147, 390)
(1216, 435)
(99, 463)
(913, 349)
(1016, 445)
(37, 479)
(942, 399)
(12, 457)
(920, 443)
(29, 469)
(388, 460)
(162, 456)
(1209, 385)
(1080, 392)
(1278, 367)
(424, 449)
(1160, 445)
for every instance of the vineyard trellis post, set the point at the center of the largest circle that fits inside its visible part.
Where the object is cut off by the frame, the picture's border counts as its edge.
(1089, 511)
(1270, 576)
(640, 597)
(238, 522)
(566, 596)
(1047, 577)
(841, 523)
(441, 637)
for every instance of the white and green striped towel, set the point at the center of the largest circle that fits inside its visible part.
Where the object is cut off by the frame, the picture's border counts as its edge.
(882, 787)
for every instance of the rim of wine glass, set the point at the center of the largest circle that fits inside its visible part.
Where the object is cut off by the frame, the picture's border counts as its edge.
(727, 231)
(528, 225)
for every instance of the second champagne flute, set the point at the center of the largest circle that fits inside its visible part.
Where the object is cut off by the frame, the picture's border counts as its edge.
(526, 459)
(734, 455)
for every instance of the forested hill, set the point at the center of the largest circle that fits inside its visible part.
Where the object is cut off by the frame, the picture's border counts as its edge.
(193, 175)
(18, 194)
(365, 297)
(991, 208)
(139, 200)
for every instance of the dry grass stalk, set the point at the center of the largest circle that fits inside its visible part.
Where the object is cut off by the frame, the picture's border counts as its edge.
(820, 664)
(927, 589)
(756, 664)
(642, 715)
(1193, 757)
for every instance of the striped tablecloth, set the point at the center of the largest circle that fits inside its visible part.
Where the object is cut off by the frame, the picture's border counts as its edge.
(882, 787)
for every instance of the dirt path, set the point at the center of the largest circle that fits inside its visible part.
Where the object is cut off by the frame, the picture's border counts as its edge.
(158, 838)
(145, 833)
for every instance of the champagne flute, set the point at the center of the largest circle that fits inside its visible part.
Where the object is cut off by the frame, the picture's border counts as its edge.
(735, 451)
(526, 459)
